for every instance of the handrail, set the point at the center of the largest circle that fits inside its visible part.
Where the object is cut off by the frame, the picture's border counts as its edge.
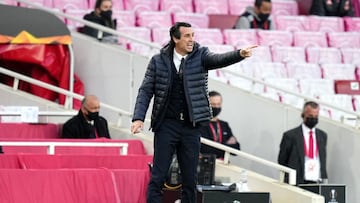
(228, 150)
(51, 145)
(303, 96)
(41, 113)
(93, 25)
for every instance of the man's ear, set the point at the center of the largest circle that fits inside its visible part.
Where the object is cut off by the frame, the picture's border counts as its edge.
(302, 115)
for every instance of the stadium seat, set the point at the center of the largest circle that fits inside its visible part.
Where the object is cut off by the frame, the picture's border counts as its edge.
(291, 23)
(303, 71)
(197, 20)
(323, 55)
(283, 7)
(235, 80)
(344, 39)
(289, 84)
(269, 70)
(310, 39)
(288, 54)
(160, 35)
(352, 24)
(73, 25)
(208, 36)
(237, 7)
(356, 103)
(260, 54)
(218, 75)
(316, 87)
(70, 4)
(154, 19)
(350, 55)
(211, 6)
(138, 32)
(37, 2)
(117, 5)
(325, 24)
(339, 100)
(124, 18)
(272, 38)
(141, 5)
(350, 87)
(220, 48)
(238, 37)
(338, 71)
(176, 6)
(10, 2)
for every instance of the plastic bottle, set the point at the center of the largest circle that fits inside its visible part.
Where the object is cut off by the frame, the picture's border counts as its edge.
(243, 185)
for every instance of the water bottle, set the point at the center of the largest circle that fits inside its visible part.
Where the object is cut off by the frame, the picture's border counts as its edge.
(243, 186)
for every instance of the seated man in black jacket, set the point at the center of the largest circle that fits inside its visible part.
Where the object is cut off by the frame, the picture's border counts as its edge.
(338, 8)
(88, 123)
(102, 15)
(218, 130)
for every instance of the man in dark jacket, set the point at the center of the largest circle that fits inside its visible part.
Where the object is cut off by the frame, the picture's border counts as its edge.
(177, 78)
(102, 15)
(339, 8)
(257, 17)
(304, 148)
(88, 123)
(217, 130)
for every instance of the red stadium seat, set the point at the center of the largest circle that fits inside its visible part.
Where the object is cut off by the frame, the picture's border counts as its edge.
(197, 20)
(237, 7)
(291, 23)
(70, 4)
(154, 19)
(303, 70)
(338, 71)
(208, 36)
(269, 70)
(274, 38)
(323, 55)
(73, 25)
(352, 24)
(141, 5)
(236, 37)
(316, 87)
(351, 55)
(310, 39)
(326, 24)
(260, 54)
(160, 35)
(176, 6)
(344, 39)
(288, 54)
(350, 87)
(138, 32)
(124, 18)
(220, 48)
(282, 7)
(342, 101)
(211, 6)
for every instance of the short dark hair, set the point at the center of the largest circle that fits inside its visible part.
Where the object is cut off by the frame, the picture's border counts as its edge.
(312, 104)
(99, 2)
(175, 30)
(259, 2)
(214, 93)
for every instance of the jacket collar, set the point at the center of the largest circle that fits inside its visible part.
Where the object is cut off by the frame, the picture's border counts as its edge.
(168, 49)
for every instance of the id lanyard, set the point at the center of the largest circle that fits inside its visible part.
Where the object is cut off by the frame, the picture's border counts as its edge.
(215, 134)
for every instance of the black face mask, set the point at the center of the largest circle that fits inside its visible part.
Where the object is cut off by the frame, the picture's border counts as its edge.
(93, 115)
(263, 16)
(106, 14)
(215, 111)
(311, 122)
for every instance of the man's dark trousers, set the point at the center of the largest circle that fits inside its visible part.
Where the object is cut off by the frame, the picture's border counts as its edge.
(181, 136)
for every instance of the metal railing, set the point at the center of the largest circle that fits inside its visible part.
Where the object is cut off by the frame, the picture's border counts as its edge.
(123, 147)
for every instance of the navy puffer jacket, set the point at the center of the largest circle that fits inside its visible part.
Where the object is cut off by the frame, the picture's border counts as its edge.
(158, 79)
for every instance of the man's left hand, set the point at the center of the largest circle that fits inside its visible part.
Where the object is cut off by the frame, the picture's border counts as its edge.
(247, 52)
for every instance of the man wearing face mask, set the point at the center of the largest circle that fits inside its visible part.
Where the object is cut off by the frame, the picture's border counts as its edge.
(87, 123)
(217, 130)
(304, 148)
(102, 15)
(257, 17)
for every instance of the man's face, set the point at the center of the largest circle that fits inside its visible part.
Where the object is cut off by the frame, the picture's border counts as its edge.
(265, 8)
(185, 44)
(215, 101)
(310, 112)
(91, 105)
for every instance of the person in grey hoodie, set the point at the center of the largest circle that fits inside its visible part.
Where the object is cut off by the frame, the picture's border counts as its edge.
(257, 17)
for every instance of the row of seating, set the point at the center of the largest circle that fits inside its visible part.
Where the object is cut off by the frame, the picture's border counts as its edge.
(233, 7)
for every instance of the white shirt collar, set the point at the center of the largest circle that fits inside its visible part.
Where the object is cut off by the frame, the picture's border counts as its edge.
(178, 56)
